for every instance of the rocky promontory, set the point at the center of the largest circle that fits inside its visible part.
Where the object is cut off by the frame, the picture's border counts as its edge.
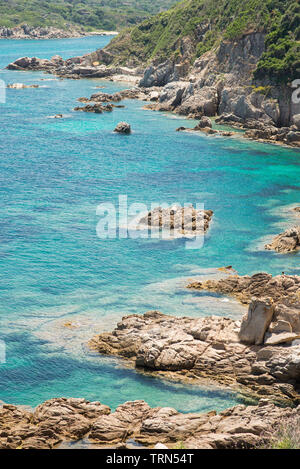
(258, 355)
(288, 241)
(29, 32)
(281, 288)
(63, 420)
(216, 349)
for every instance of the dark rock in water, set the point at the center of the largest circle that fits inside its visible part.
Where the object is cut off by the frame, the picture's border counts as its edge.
(123, 128)
(205, 122)
(96, 108)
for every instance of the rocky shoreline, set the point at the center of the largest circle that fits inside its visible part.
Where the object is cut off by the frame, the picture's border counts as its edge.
(257, 357)
(29, 32)
(136, 423)
(244, 108)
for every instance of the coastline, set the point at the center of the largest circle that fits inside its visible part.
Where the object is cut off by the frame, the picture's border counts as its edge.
(136, 425)
(160, 99)
(19, 33)
(172, 375)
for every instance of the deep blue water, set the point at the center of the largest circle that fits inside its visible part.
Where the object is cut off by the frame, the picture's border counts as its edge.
(53, 267)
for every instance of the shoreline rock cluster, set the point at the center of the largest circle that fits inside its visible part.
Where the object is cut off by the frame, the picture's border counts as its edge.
(62, 420)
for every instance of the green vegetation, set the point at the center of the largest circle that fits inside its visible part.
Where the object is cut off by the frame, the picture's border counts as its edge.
(287, 435)
(282, 56)
(87, 14)
(193, 27)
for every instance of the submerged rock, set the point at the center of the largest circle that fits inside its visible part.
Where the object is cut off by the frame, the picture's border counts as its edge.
(288, 241)
(123, 128)
(20, 86)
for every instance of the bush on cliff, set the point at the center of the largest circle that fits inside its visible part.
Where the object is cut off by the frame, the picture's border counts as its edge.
(193, 27)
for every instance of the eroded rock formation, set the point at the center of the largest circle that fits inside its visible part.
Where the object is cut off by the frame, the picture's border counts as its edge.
(280, 288)
(179, 221)
(204, 348)
(61, 420)
(289, 241)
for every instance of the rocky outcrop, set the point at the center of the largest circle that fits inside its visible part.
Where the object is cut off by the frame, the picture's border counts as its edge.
(207, 130)
(274, 312)
(286, 242)
(123, 128)
(29, 32)
(36, 64)
(50, 424)
(199, 349)
(281, 288)
(177, 220)
(204, 122)
(96, 108)
(62, 420)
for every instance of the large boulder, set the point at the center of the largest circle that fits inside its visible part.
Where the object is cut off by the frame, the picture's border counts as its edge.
(256, 322)
(123, 128)
(205, 122)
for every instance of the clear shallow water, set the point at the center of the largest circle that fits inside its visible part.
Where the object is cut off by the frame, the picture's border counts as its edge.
(53, 267)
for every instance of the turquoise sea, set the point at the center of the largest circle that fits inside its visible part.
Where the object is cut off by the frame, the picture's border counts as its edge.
(53, 267)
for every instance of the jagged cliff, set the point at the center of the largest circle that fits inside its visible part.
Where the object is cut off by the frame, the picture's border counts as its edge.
(231, 57)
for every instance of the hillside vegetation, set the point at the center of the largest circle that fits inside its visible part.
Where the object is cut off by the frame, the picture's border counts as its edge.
(88, 14)
(193, 27)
